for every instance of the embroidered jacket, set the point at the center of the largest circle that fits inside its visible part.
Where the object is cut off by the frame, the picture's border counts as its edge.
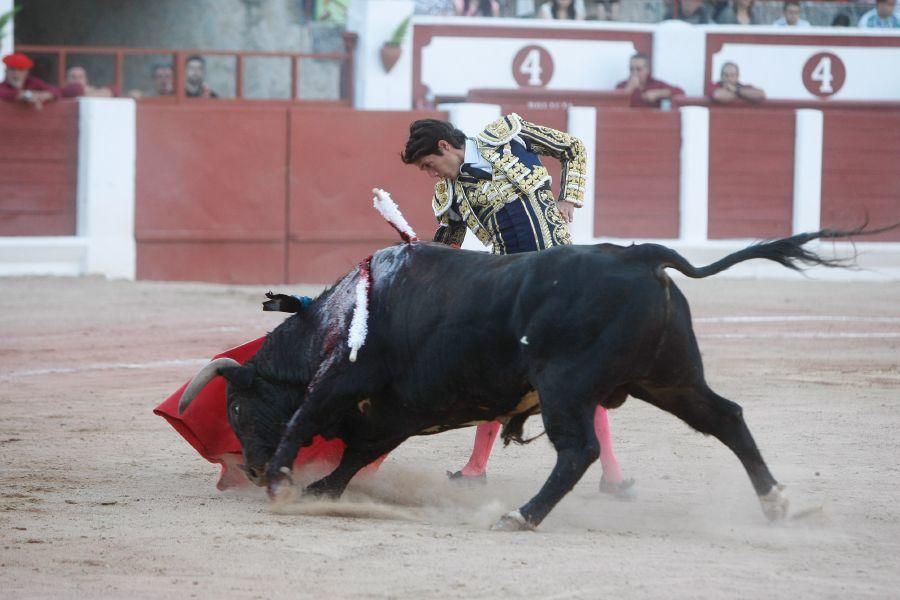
(471, 202)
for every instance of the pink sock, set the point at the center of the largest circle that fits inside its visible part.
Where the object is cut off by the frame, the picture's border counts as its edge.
(485, 436)
(608, 461)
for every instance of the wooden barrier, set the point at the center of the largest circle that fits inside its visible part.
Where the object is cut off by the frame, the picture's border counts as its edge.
(38, 169)
(268, 195)
(336, 158)
(859, 170)
(751, 169)
(637, 173)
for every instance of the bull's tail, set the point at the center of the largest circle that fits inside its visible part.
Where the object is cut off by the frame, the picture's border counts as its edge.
(787, 251)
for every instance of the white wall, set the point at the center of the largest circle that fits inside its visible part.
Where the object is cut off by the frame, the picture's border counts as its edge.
(678, 53)
(374, 21)
(104, 241)
(582, 61)
(106, 182)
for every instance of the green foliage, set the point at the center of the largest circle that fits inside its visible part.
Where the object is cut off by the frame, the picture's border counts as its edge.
(6, 18)
(400, 32)
(331, 11)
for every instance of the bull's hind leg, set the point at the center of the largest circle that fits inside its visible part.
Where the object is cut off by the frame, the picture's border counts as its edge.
(711, 414)
(569, 426)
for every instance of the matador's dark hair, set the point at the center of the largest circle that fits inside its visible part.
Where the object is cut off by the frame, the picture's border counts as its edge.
(424, 136)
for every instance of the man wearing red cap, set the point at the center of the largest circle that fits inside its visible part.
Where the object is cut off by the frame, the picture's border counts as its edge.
(19, 86)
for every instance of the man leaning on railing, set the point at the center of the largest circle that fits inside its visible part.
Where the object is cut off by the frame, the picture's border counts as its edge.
(21, 86)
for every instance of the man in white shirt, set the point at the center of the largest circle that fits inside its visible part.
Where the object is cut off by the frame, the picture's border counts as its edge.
(791, 16)
(883, 16)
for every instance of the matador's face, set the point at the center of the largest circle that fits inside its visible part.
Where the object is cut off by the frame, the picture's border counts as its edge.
(445, 165)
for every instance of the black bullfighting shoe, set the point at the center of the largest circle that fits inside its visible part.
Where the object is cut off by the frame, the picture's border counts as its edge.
(458, 477)
(624, 490)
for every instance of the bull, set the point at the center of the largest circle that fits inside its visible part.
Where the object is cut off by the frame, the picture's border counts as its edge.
(458, 338)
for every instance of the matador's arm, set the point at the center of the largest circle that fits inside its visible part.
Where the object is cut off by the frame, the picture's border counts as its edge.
(566, 148)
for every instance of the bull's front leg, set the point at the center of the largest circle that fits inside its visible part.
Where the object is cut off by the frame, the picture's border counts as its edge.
(299, 432)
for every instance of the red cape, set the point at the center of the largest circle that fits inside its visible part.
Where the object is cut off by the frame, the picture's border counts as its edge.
(205, 427)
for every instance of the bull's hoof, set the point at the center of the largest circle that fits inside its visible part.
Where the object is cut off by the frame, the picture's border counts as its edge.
(458, 477)
(775, 504)
(512, 521)
(623, 490)
(280, 486)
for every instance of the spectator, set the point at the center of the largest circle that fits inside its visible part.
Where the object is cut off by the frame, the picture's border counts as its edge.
(195, 78)
(163, 79)
(477, 8)
(729, 89)
(77, 84)
(717, 7)
(646, 91)
(740, 12)
(841, 20)
(608, 10)
(20, 86)
(791, 16)
(883, 16)
(694, 12)
(572, 10)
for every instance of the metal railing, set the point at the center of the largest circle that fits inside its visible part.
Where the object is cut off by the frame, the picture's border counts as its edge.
(63, 54)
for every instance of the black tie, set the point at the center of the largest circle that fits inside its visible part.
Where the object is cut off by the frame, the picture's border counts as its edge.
(475, 172)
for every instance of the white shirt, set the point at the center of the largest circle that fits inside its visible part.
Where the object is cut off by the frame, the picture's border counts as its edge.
(783, 23)
(863, 20)
(473, 158)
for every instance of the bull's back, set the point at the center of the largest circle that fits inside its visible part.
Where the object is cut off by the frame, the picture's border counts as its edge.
(482, 317)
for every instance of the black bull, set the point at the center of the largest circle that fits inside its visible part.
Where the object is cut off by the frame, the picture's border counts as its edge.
(458, 338)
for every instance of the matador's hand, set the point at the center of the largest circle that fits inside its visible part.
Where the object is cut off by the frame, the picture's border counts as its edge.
(566, 209)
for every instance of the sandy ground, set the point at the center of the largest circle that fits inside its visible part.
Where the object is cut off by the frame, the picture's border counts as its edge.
(102, 499)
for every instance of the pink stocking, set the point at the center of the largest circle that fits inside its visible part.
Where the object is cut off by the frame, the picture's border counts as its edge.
(608, 461)
(485, 436)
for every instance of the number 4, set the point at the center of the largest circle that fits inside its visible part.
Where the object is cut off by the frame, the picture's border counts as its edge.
(822, 74)
(531, 66)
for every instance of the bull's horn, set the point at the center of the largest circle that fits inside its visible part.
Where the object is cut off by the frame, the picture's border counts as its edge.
(206, 374)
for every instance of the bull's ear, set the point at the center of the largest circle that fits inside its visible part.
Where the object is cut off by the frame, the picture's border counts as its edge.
(241, 377)
(285, 303)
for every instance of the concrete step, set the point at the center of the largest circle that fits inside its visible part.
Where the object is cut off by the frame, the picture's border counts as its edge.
(56, 255)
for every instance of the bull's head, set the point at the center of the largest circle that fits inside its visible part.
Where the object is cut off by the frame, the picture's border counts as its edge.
(258, 409)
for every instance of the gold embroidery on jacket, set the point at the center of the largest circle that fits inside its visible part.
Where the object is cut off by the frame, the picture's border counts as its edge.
(479, 200)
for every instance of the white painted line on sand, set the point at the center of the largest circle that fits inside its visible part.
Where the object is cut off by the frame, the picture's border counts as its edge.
(158, 364)
(796, 319)
(800, 335)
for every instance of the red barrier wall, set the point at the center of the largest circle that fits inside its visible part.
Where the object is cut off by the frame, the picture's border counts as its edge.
(268, 195)
(751, 173)
(280, 194)
(859, 170)
(336, 158)
(210, 190)
(637, 167)
(38, 169)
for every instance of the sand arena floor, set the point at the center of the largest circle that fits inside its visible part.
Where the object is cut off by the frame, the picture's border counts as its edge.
(99, 498)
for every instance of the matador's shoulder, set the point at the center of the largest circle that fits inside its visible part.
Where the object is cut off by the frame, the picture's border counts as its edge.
(502, 130)
(440, 202)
